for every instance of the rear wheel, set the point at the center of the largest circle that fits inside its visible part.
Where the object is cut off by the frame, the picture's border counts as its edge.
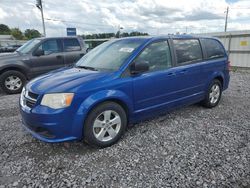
(12, 81)
(105, 124)
(213, 95)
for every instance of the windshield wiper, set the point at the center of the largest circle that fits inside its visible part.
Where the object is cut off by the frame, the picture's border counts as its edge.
(87, 67)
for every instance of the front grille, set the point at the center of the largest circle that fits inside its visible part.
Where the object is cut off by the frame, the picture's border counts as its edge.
(29, 99)
(33, 95)
(30, 103)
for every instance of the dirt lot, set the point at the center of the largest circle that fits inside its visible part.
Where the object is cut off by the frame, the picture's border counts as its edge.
(189, 147)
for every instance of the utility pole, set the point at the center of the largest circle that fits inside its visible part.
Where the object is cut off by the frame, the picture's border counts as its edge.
(119, 30)
(39, 5)
(226, 19)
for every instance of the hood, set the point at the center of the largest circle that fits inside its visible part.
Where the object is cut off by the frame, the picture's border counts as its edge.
(67, 80)
(10, 56)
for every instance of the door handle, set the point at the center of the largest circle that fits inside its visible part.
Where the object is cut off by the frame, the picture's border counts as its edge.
(171, 74)
(58, 56)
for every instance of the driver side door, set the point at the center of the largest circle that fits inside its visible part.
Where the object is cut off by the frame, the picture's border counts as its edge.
(154, 89)
(53, 57)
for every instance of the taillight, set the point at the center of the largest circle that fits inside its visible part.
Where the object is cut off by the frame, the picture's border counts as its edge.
(229, 67)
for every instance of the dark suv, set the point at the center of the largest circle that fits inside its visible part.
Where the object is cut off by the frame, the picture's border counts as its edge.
(36, 57)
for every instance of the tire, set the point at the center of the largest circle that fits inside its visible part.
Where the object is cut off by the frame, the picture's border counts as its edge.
(12, 81)
(105, 125)
(208, 102)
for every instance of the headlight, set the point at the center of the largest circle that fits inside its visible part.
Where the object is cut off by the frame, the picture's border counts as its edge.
(57, 100)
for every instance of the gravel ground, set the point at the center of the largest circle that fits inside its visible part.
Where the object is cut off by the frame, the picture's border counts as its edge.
(188, 147)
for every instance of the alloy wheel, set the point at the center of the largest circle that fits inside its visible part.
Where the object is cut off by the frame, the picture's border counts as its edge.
(214, 94)
(107, 125)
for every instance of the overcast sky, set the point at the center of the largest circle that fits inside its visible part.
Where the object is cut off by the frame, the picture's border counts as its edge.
(152, 16)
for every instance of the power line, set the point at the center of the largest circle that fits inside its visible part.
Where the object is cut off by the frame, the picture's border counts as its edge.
(69, 21)
(248, 8)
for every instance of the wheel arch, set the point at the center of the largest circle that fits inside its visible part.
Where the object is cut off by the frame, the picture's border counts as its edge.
(117, 99)
(14, 68)
(100, 97)
(217, 75)
(221, 79)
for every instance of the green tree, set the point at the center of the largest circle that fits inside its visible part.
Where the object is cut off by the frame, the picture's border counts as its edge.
(117, 35)
(136, 33)
(125, 34)
(31, 33)
(17, 33)
(4, 29)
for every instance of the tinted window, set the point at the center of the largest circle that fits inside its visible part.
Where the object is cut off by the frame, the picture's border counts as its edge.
(71, 45)
(157, 55)
(50, 46)
(213, 48)
(187, 50)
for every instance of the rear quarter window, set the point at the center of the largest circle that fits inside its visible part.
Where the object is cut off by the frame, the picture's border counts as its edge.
(71, 45)
(213, 48)
(187, 50)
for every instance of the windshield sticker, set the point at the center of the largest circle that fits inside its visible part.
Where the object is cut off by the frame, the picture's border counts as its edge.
(129, 50)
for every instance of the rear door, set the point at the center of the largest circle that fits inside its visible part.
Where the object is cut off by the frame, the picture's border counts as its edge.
(215, 59)
(51, 60)
(188, 73)
(72, 51)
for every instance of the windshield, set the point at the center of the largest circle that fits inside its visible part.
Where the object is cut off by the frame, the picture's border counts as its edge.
(28, 46)
(109, 55)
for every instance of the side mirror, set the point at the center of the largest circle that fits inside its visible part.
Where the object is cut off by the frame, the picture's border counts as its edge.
(39, 52)
(139, 67)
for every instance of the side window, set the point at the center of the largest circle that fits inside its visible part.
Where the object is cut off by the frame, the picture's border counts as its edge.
(50, 46)
(187, 50)
(157, 55)
(71, 45)
(213, 48)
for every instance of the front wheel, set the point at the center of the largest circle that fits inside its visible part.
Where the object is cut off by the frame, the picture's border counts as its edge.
(105, 124)
(213, 95)
(12, 81)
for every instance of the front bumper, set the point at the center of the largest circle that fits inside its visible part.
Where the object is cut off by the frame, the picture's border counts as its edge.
(51, 125)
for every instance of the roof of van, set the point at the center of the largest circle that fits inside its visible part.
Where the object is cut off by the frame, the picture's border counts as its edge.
(150, 37)
(58, 37)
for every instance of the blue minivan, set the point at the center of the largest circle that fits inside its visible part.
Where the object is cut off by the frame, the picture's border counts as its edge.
(121, 82)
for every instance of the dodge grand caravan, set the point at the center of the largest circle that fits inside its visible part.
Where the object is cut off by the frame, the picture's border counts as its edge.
(121, 82)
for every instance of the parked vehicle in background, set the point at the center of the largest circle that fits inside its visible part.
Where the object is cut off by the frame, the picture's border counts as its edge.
(10, 48)
(36, 57)
(122, 82)
(92, 43)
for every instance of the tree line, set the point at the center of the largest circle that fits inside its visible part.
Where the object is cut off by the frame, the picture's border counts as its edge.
(33, 33)
(18, 34)
(113, 35)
